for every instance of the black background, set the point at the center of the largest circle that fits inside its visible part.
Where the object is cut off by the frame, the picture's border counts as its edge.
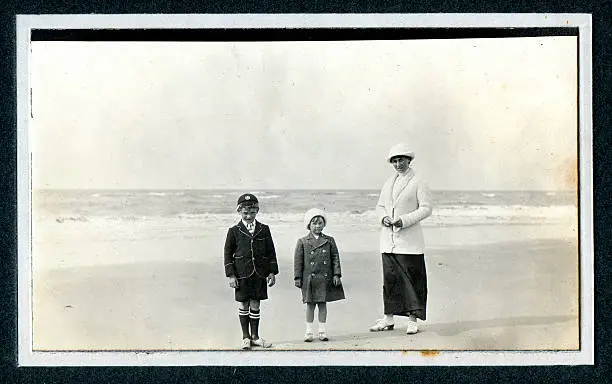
(602, 69)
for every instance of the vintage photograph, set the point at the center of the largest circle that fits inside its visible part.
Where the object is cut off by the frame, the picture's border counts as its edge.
(340, 195)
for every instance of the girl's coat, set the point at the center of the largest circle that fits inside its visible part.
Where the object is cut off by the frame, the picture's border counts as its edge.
(316, 261)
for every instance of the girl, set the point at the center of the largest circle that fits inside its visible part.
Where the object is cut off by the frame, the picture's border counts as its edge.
(317, 271)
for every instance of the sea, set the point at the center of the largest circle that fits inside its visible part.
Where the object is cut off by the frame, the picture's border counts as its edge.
(286, 207)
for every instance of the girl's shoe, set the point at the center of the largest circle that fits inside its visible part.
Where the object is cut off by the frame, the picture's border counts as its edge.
(246, 344)
(382, 325)
(323, 336)
(308, 337)
(261, 343)
(412, 325)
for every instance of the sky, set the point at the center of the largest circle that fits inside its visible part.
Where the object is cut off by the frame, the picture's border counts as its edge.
(480, 114)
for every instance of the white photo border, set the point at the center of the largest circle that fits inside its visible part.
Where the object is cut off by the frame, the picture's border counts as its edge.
(28, 357)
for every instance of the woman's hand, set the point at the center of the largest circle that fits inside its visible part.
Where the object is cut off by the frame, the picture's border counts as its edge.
(337, 281)
(398, 223)
(298, 283)
(387, 222)
(271, 279)
(233, 282)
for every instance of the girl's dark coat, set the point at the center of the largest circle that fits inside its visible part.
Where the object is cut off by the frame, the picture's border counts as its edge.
(245, 254)
(316, 262)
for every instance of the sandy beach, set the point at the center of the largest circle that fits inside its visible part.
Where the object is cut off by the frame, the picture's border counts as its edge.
(151, 287)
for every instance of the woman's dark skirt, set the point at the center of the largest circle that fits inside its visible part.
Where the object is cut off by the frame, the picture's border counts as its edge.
(404, 284)
(253, 287)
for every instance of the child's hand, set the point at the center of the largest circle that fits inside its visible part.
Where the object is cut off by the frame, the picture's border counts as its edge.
(233, 282)
(337, 281)
(398, 223)
(271, 279)
(298, 283)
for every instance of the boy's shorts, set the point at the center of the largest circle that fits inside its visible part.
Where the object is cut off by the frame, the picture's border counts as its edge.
(251, 288)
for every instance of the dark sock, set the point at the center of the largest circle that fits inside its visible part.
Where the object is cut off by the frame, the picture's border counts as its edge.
(243, 315)
(254, 320)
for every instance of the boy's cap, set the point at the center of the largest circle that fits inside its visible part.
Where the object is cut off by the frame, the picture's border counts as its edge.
(247, 198)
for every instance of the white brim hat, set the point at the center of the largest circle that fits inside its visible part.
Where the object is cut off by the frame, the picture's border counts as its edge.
(400, 149)
(311, 213)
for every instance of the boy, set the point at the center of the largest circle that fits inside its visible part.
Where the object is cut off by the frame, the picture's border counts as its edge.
(250, 266)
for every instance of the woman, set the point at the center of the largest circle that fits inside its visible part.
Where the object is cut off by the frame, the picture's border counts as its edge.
(404, 201)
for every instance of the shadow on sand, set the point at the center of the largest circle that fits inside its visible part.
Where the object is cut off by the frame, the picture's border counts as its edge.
(441, 329)
(453, 329)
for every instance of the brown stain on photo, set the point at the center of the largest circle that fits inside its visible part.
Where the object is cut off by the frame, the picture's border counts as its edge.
(567, 175)
(430, 353)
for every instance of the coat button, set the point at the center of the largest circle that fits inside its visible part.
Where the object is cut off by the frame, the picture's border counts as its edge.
(312, 263)
(325, 262)
(323, 251)
(312, 252)
(312, 274)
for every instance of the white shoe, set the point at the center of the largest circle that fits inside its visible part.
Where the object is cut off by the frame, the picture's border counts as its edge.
(245, 344)
(308, 336)
(323, 336)
(412, 325)
(260, 343)
(382, 325)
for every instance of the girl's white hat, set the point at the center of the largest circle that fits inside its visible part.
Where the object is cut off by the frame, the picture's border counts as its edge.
(308, 216)
(400, 149)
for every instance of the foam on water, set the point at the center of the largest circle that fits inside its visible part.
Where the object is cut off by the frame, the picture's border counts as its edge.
(442, 217)
(345, 208)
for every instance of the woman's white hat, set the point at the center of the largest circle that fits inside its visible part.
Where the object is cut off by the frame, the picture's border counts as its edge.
(400, 149)
(312, 213)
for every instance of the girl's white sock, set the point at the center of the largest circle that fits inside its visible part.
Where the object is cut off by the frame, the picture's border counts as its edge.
(309, 327)
(321, 327)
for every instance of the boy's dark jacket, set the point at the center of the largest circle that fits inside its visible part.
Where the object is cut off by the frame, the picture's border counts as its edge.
(246, 254)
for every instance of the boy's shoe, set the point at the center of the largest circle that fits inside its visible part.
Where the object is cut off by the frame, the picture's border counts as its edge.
(246, 343)
(261, 343)
(382, 325)
(412, 325)
(323, 336)
(308, 337)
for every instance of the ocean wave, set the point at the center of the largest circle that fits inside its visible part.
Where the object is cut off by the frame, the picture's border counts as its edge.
(62, 219)
(442, 216)
(507, 210)
(268, 197)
